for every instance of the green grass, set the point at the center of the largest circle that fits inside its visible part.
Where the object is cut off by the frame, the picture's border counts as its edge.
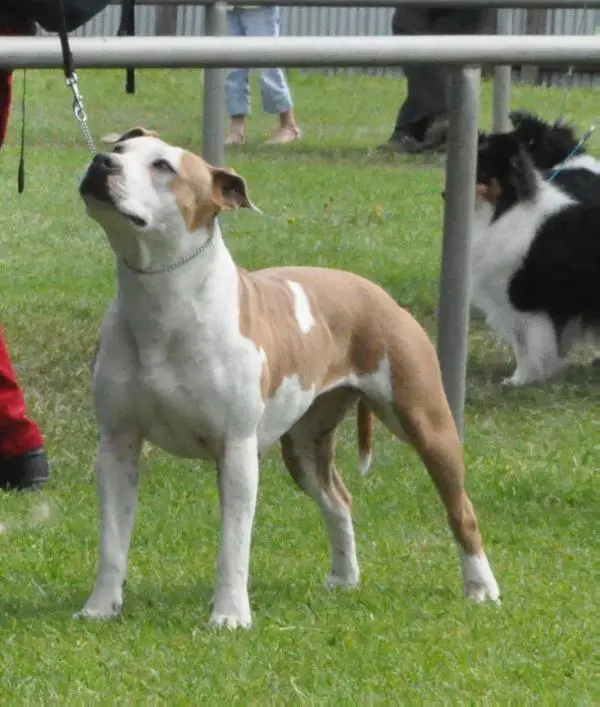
(407, 636)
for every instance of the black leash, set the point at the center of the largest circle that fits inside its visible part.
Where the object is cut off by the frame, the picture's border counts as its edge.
(21, 172)
(72, 80)
(127, 28)
(72, 83)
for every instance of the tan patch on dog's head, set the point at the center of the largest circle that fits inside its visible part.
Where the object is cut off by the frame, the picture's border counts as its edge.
(203, 191)
(489, 192)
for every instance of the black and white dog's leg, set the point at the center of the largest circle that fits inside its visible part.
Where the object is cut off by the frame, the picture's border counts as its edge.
(238, 487)
(536, 350)
(117, 469)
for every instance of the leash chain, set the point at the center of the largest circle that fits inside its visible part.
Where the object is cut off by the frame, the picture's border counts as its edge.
(79, 112)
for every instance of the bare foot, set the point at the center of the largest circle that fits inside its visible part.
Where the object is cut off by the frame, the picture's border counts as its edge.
(285, 134)
(235, 137)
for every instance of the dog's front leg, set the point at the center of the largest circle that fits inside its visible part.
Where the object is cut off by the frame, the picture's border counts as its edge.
(117, 469)
(238, 486)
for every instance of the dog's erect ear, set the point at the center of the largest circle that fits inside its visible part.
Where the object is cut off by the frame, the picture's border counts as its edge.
(518, 116)
(113, 138)
(562, 123)
(522, 175)
(566, 129)
(229, 190)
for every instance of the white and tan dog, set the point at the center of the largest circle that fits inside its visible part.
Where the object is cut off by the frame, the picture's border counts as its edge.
(207, 360)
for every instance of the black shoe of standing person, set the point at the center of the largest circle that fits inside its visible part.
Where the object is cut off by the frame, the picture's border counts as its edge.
(24, 471)
(402, 143)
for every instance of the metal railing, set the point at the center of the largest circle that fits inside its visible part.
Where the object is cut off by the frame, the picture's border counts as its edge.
(215, 25)
(214, 53)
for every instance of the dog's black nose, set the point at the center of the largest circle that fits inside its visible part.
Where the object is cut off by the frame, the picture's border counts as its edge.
(106, 162)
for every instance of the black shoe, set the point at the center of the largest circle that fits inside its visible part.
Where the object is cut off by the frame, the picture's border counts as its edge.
(436, 134)
(402, 143)
(25, 471)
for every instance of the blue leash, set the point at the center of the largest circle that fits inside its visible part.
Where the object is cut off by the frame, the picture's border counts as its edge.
(586, 136)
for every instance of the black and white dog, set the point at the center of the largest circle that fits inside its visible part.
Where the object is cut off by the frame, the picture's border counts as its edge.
(535, 259)
(559, 155)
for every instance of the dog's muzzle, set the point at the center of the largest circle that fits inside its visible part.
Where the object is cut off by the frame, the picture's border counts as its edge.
(96, 179)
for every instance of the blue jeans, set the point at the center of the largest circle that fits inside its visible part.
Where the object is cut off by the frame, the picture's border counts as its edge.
(274, 90)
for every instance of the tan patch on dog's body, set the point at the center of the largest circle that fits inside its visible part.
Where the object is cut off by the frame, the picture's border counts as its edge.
(355, 329)
(489, 192)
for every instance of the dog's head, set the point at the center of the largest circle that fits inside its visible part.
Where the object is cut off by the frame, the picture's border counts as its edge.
(505, 172)
(547, 144)
(146, 185)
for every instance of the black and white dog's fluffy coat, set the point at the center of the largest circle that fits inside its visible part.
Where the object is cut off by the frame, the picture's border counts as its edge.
(556, 152)
(535, 259)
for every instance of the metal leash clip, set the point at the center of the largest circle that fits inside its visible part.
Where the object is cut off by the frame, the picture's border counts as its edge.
(79, 111)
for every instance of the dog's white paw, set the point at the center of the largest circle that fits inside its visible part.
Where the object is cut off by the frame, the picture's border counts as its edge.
(364, 463)
(229, 621)
(99, 614)
(334, 581)
(516, 380)
(480, 593)
(479, 582)
(230, 611)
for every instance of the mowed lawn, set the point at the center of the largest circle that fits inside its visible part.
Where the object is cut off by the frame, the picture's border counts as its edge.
(406, 636)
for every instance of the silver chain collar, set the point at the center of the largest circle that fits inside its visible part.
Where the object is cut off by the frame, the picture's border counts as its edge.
(173, 266)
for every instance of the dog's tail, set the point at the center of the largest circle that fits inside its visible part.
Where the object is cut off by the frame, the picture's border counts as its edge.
(364, 429)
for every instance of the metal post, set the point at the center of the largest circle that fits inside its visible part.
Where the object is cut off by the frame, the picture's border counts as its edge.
(502, 79)
(214, 113)
(453, 311)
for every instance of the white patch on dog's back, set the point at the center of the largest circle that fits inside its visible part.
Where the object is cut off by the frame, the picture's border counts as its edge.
(304, 316)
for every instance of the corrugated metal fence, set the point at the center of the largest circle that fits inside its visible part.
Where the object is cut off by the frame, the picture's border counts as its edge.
(333, 21)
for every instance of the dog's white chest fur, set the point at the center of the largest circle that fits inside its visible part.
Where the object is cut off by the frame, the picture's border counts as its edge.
(191, 383)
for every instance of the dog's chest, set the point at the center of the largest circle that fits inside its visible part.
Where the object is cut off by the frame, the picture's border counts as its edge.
(174, 412)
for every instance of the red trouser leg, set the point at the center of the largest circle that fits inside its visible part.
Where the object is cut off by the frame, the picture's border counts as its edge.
(6, 78)
(18, 433)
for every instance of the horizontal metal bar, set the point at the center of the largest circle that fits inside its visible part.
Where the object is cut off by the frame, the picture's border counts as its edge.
(181, 52)
(541, 4)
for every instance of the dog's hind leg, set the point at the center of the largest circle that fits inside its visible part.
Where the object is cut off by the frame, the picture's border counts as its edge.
(410, 400)
(117, 470)
(310, 463)
(431, 430)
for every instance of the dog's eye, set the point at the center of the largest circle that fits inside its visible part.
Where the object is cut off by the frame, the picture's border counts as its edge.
(163, 166)
(118, 149)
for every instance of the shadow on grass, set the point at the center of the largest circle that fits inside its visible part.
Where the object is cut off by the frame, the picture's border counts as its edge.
(580, 382)
(143, 601)
(356, 154)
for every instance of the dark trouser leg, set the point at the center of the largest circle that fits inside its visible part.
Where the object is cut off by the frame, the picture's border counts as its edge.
(427, 85)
